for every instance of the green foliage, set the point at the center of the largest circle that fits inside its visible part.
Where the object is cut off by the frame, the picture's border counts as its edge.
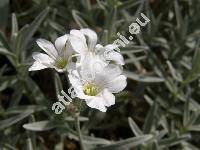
(160, 104)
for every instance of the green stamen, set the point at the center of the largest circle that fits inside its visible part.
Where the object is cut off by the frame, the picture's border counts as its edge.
(90, 89)
(61, 63)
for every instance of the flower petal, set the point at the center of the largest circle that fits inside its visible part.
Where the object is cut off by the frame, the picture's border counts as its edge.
(108, 73)
(98, 46)
(99, 50)
(112, 55)
(116, 85)
(116, 57)
(48, 47)
(78, 34)
(69, 50)
(90, 65)
(109, 98)
(75, 80)
(37, 66)
(78, 45)
(97, 103)
(43, 58)
(92, 37)
(71, 67)
(60, 43)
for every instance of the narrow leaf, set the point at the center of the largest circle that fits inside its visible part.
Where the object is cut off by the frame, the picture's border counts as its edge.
(151, 116)
(14, 26)
(128, 143)
(34, 26)
(175, 74)
(129, 4)
(195, 72)
(10, 121)
(40, 126)
(4, 51)
(29, 145)
(79, 20)
(20, 109)
(4, 41)
(136, 130)
(173, 140)
(143, 78)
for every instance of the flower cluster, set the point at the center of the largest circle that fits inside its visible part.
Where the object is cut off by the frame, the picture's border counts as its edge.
(93, 77)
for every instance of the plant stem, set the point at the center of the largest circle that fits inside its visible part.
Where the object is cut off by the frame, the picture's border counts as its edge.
(79, 131)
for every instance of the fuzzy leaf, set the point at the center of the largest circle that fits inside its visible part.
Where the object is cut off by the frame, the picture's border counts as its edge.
(40, 126)
(13, 120)
(143, 78)
(136, 130)
(127, 143)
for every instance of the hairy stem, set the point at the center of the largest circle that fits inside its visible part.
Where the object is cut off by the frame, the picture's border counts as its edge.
(79, 131)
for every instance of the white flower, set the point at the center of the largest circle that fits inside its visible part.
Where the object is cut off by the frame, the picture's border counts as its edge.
(96, 88)
(57, 57)
(85, 41)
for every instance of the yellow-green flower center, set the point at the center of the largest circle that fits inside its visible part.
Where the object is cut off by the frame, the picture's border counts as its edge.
(90, 89)
(61, 63)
